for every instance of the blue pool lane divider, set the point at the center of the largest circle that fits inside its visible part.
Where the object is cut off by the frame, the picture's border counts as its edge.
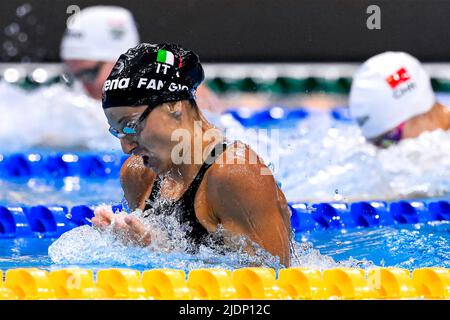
(368, 214)
(44, 221)
(14, 222)
(52, 221)
(281, 116)
(48, 221)
(329, 216)
(440, 210)
(341, 114)
(38, 221)
(82, 215)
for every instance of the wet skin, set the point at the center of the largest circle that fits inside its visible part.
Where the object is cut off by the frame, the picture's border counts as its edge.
(233, 193)
(437, 118)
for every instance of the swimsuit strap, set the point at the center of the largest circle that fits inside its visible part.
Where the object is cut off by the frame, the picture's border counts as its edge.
(195, 184)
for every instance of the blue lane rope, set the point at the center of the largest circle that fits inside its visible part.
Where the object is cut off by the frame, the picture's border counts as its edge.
(272, 116)
(52, 221)
(281, 116)
(59, 165)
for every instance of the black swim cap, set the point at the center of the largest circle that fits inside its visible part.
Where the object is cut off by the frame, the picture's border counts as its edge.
(151, 74)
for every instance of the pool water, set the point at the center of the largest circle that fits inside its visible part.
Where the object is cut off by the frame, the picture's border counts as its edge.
(318, 160)
(407, 246)
(315, 159)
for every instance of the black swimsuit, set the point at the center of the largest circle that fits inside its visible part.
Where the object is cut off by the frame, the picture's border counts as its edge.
(183, 208)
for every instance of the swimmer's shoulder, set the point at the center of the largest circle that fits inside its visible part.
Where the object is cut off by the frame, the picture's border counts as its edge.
(137, 181)
(239, 169)
(238, 158)
(245, 192)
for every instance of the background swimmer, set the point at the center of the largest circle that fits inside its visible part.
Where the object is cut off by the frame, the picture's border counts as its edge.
(392, 99)
(90, 48)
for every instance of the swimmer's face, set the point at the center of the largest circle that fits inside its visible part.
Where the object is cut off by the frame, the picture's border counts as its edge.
(92, 74)
(152, 140)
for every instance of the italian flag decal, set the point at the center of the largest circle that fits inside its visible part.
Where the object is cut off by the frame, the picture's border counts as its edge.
(165, 56)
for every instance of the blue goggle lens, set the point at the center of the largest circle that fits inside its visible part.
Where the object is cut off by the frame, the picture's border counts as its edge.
(129, 130)
(125, 131)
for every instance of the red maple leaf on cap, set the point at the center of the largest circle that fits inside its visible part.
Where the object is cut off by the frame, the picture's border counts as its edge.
(397, 78)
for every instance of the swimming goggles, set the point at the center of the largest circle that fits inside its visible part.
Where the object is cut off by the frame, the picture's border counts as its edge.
(131, 127)
(390, 138)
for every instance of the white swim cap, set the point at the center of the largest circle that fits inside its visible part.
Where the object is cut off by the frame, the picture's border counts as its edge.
(100, 33)
(387, 90)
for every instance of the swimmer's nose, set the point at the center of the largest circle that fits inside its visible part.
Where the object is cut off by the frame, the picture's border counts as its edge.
(128, 145)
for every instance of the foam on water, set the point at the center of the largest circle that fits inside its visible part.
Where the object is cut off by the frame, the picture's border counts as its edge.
(169, 247)
(85, 245)
(325, 160)
(336, 164)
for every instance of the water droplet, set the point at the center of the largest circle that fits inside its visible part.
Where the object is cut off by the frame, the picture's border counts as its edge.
(337, 196)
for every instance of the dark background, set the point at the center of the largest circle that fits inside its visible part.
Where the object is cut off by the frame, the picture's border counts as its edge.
(246, 30)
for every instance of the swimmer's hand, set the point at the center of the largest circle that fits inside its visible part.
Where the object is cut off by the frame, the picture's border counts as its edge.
(135, 231)
(128, 228)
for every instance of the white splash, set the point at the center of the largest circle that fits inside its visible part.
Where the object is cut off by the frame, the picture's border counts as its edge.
(170, 247)
(316, 163)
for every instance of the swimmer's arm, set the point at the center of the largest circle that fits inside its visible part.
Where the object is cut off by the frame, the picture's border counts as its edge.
(137, 181)
(246, 202)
